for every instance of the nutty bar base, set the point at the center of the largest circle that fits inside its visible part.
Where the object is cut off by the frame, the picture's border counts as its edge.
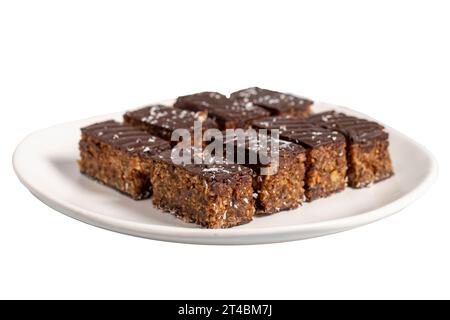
(283, 190)
(194, 194)
(326, 170)
(128, 174)
(369, 163)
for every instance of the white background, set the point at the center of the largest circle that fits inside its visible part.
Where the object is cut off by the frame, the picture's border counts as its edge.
(66, 60)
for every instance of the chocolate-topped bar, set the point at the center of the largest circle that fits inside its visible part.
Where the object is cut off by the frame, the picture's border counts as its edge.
(118, 155)
(278, 171)
(228, 113)
(162, 120)
(325, 164)
(211, 195)
(277, 103)
(367, 147)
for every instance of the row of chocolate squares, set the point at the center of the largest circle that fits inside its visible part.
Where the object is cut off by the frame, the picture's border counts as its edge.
(324, 152)
(367, 151)
(216, 110)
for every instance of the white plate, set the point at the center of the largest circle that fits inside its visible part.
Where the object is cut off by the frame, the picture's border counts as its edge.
(45, 163)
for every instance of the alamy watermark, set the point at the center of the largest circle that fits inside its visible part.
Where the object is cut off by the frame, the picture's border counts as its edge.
(232, 146)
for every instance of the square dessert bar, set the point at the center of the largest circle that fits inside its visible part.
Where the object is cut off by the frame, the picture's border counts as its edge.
(228, 113)
(161, 120)
(325, 164)
(211, 195)
(368, 156)
(277, 103)
(118, 156)
(278, 177)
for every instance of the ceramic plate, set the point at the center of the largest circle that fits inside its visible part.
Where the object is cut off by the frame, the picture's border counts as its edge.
(45, 163)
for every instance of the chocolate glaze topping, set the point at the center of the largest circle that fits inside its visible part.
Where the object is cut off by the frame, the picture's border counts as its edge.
(253, 145)
(211, 172)
(241, 110)
(125, 138)
(276, 102)
(206, 98)
(356, 130)
(170, 118)
(300, 131)
(220, 107)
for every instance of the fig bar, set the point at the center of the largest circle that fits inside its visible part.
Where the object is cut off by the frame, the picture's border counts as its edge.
(161, 120)
(277, 103)
(325, 164)
(367, 147)
(228, 113)
(118, 156)
(278, 178)
(211, 195)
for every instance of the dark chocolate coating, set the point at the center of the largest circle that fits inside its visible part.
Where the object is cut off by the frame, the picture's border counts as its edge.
(222, 109)
(300, 131)
(252, 146)
(169, 118)
(126, 138)
(276, 102)
(206, 98)
(211, 172)
(356, 130)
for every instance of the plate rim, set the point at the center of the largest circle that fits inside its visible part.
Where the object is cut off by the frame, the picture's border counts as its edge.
(229, 236)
